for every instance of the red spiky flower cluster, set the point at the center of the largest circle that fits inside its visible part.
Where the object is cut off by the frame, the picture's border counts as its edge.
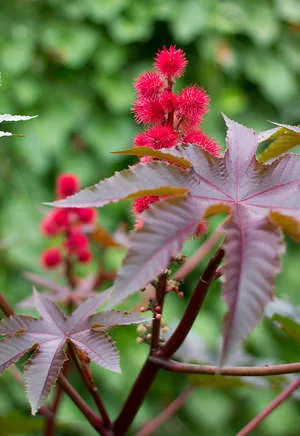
(69, 224)
(170, 118)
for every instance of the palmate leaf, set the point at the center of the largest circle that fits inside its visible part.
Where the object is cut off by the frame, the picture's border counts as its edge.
(8, 118)
(59, 293)
(48, 336)
(140, 179)
(259, 197)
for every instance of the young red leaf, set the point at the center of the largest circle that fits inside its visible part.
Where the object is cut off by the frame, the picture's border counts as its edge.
(259, 198)
(48, 337)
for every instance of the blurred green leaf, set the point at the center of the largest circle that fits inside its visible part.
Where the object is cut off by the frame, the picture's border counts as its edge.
(17, 424)
(286, 316)
(71, 45)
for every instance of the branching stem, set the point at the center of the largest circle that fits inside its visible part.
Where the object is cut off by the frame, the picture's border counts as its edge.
(238, 371)
(89, 383)
(270, 408)
(193, 308)
(170, 411)
(150, 369)
(93, 419)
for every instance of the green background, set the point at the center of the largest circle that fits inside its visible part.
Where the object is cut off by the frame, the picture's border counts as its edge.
(73, 62)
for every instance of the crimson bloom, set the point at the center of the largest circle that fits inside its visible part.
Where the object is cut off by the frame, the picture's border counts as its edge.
(170, 62)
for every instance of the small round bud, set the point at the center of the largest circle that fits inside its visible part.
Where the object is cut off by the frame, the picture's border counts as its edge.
(149, 336)
(141, 330)
(139, 340)
(158, 316)
(142, 309)
(157, 309)
(51, 258)
(67, 184)
(84, 256)
(180, 294)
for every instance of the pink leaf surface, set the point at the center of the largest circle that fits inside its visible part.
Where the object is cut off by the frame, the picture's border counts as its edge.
(123, 184)
(99, 347)
(43, 370)
(48, 336)
(173, 220)
(258, 197)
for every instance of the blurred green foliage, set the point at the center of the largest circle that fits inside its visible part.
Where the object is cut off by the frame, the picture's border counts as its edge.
(72, 62)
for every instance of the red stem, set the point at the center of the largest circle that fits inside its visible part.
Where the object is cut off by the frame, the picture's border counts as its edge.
(249, 371)
(160, 297)
(93, 419)
(197, 257)
(170, 411)
(150, 369)
(269, 409)
(193, 308)
(88, 381)
(135, 398)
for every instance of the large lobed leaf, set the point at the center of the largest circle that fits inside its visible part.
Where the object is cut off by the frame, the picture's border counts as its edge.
(48, 336)
(260, 197)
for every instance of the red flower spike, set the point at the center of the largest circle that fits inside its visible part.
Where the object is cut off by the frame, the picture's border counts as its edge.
(157, 137)
(148, 111)
(51, 258)
(76, 242)
(48, 226)
(170, 62)
(86, 215)
(192, 104)
(199, 138)
(67, 184)
(61, 218)
(84, 256)
(149, 84)
(142, 203)
(169, 101)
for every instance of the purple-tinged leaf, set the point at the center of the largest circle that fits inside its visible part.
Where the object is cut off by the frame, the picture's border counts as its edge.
(86, 285)
(252, 247)
(59, 293)
(22, 334)
(14, 347)
(49, 312)
(43, 370)
(115, 318)
(19, 324)
(173, 220)
(122, 185)
(99, 347)
(39, 280)
(81, 314)
(259, 197)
